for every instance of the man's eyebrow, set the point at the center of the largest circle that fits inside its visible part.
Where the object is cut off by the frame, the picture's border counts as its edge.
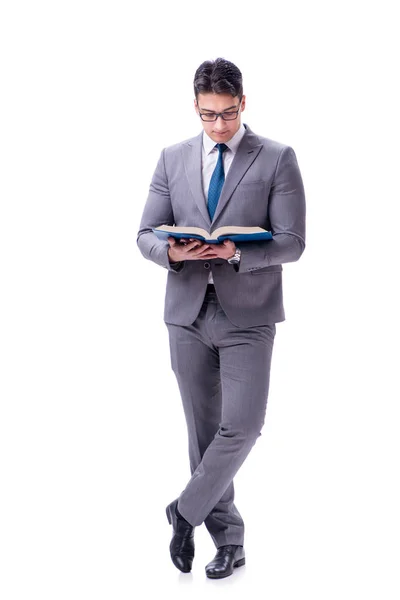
(225, 109)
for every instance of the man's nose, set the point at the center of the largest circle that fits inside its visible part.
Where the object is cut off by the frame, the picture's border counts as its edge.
(220, 123)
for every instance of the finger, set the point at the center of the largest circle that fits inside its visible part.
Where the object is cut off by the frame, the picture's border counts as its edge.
(201, 250)
(206, 255)
(196, 244)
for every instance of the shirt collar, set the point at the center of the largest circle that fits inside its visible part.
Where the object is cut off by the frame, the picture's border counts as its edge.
(209, 144)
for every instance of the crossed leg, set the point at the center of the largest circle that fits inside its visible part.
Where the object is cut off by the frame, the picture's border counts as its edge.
(223, 376)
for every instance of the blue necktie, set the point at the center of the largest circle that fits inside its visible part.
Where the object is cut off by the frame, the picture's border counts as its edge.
(216, 182)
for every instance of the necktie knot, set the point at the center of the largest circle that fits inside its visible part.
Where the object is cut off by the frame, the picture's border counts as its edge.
(221, 147)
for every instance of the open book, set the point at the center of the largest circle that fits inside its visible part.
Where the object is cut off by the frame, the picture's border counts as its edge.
(228, 232)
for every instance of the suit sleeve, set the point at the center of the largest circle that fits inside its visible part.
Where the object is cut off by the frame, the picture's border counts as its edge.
(287, 215)
(157, 211)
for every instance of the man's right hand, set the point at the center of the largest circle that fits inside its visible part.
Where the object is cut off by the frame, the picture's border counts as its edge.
(189, 249)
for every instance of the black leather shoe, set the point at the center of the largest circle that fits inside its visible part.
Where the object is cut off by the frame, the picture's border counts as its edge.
(226, 559)
(182, 544)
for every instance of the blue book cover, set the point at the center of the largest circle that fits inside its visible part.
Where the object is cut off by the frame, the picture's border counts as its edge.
(236, 234)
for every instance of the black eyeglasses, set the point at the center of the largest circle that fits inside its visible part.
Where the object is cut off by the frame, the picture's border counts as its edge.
(229, 115)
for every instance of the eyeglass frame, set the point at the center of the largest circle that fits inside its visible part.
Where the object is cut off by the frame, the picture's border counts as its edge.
(221, 115)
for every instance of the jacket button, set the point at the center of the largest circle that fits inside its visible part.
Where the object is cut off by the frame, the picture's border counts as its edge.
(206, 265)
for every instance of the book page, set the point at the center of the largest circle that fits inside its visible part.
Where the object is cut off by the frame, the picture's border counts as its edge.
(227, 229)
(196, 230)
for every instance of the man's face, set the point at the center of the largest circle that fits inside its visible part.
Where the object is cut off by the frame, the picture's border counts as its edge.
(220, 131)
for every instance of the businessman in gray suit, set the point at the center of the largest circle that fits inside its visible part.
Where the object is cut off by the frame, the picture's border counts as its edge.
(223, 300)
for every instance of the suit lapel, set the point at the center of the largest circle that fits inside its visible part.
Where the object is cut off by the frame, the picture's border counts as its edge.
(245, 155)
(192, 160)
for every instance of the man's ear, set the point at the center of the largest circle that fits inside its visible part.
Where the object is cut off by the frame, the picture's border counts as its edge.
(195, 106)
(243, 103)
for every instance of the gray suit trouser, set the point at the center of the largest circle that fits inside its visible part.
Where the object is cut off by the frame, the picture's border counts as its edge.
(223, 377)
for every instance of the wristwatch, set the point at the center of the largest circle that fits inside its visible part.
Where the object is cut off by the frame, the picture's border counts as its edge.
(235, 259)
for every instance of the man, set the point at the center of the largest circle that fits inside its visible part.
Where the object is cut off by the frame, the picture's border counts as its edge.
(222, 301)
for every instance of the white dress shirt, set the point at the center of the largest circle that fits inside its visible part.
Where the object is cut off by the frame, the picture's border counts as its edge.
(209, 161)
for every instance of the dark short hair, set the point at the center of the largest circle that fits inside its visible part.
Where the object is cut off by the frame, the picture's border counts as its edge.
(218, 76)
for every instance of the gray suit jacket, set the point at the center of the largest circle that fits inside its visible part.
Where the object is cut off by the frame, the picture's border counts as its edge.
(263, 188)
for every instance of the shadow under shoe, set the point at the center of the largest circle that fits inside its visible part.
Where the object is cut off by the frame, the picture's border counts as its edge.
(227, 558)
(182, 544)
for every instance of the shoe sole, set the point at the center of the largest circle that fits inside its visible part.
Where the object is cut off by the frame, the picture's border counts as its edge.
(238, 563)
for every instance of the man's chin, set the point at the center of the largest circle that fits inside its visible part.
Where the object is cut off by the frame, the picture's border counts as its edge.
(218, 137)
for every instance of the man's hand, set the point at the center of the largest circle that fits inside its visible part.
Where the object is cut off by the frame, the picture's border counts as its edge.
(225, 250)
(193, 249)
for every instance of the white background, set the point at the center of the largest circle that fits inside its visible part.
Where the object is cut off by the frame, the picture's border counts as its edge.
(93, 439)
